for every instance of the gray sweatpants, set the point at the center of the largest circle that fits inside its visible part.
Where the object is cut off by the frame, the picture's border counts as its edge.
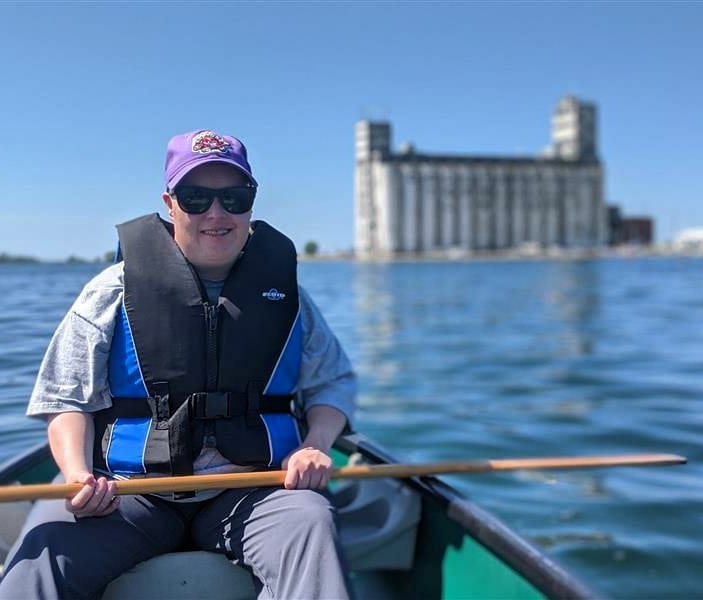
(286, 537)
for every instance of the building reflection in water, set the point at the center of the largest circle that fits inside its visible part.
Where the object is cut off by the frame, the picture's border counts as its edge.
(470, 330)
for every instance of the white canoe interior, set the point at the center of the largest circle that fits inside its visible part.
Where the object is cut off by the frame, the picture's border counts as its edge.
(377, 519)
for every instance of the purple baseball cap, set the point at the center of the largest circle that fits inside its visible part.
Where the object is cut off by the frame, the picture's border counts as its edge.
(189, 150)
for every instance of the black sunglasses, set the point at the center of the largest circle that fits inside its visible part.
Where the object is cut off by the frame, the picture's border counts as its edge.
(196, 200)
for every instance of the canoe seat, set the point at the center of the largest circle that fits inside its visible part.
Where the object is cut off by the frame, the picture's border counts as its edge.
(184, 576)
(378, 521)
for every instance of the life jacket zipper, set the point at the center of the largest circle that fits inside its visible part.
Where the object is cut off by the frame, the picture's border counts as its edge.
(211, 345)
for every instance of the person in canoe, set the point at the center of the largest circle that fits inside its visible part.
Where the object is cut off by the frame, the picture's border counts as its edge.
(196, 353)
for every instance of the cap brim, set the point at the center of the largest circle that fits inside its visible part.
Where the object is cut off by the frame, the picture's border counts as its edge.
(187, 168)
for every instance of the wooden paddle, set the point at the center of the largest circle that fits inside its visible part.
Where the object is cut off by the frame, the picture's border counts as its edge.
(188, 483)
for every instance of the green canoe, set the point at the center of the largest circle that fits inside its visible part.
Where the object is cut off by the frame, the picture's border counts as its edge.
(416, 538)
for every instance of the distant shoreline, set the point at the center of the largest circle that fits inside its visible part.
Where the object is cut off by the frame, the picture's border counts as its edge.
(445, 256)
(20, 259)
(8, 259)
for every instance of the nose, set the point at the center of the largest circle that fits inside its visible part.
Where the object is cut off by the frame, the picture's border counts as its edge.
(216, 209)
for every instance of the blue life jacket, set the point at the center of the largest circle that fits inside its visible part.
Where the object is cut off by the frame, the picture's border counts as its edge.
(182, 369)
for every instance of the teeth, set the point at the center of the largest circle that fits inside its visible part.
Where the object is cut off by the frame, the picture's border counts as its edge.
(216, 231)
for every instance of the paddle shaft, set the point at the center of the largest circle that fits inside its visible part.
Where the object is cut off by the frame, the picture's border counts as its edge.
(186, 483)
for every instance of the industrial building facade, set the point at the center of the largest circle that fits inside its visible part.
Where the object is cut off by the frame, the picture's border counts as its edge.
(414, 203)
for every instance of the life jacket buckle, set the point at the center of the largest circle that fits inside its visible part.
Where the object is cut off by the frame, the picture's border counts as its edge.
(161, 407)
(210, 405)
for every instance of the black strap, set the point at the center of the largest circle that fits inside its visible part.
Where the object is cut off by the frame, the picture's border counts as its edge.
(253, 396)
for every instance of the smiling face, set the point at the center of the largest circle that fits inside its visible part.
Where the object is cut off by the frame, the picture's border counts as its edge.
(213, 240)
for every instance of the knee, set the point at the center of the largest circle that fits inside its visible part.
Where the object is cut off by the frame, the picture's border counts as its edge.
(36, 565)
(36, 541)
(313, 511)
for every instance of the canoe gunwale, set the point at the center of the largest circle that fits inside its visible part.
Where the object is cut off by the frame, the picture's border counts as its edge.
(541, 571)
(521, 556)
(14, 467)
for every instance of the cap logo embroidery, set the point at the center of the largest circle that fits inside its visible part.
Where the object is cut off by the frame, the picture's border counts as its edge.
(274, 295)
(208, 141)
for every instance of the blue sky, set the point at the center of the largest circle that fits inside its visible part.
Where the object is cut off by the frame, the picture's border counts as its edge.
(90, 94)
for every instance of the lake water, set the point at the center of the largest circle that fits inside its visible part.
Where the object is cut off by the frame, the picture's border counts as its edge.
(488, 360)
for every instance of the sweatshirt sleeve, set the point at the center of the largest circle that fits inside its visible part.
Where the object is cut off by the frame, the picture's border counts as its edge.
(73, 375)
(326, 376)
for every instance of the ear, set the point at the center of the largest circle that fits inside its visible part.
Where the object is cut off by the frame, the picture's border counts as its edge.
(168, 201)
